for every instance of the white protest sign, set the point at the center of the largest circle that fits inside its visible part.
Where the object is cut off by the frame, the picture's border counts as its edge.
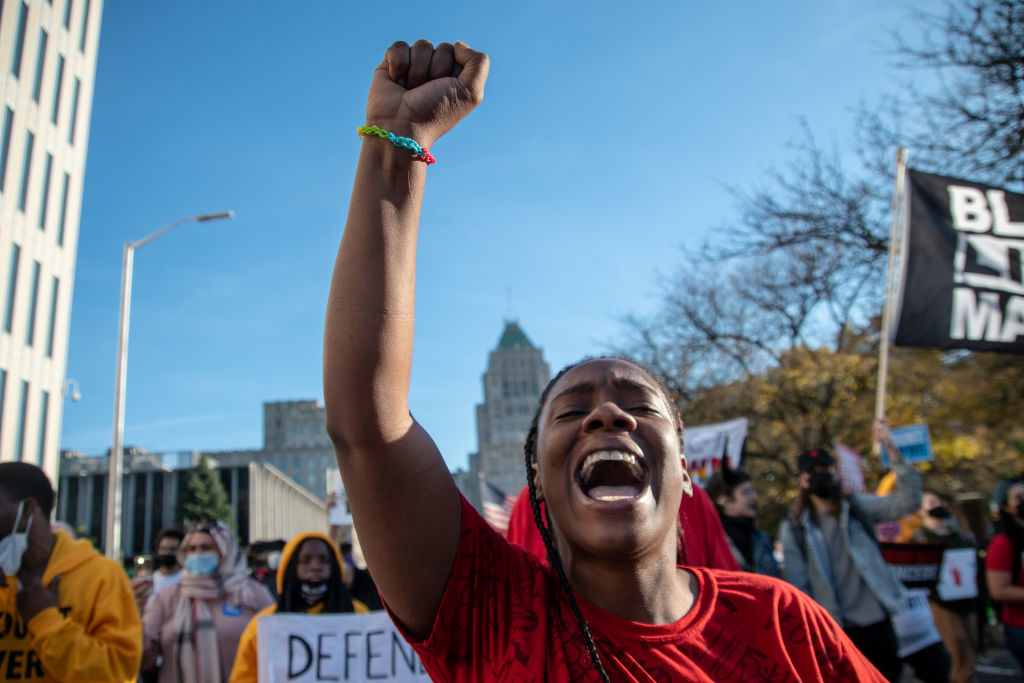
(914, 624)
(338, 513)
(958, 574)
(313, 648)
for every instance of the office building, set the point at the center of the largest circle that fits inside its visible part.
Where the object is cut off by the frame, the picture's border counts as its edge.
(47, 69)
(266, 503)
(516, 375)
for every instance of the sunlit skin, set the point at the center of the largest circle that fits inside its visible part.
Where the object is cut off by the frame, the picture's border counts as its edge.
(199, 542)
(613, 405)
(313, 562)
(742, 502)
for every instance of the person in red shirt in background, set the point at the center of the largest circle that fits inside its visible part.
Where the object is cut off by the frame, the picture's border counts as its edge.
(1003, 570)
(703, 539)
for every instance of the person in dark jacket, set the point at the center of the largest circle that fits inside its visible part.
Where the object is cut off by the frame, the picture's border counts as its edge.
(736, 502)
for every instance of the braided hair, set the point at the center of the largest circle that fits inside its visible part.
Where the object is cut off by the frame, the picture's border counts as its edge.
(543, 519)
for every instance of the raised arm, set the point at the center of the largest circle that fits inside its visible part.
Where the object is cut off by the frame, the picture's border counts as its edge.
(403, 500)
(905, 496)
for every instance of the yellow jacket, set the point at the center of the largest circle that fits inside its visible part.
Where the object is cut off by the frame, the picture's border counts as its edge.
(94, 634)
(246, 667)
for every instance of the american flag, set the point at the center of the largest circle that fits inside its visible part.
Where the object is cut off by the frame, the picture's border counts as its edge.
(497, 506)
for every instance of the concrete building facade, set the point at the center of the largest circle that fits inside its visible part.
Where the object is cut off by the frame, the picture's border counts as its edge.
(264, 500)
(295, 442)
(306, 466)
(294, 424)
(516, 375)
(47, 70)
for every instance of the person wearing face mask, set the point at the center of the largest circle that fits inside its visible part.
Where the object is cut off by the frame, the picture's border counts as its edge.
(168, 570)
(66, 612)
(191, 630)
(832, 554)
(955, 619)
(1004, 573)
(310, 580)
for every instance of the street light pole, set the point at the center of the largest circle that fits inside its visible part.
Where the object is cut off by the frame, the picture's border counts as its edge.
(112, 543)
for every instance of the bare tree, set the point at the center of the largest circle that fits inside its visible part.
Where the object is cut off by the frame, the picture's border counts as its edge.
(779, 322)
(970, 124)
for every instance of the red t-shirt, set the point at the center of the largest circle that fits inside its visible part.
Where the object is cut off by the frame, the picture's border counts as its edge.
(704, 541)
(999, 557)
(504, 617)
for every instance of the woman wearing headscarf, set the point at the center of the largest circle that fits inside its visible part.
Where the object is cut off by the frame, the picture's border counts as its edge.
(310, 580)
(191, 630)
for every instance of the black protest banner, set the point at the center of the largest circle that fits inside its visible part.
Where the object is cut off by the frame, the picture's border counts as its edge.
(962, 284)
(915, 564)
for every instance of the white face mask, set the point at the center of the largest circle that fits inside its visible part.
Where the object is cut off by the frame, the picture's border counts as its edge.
(14, 544)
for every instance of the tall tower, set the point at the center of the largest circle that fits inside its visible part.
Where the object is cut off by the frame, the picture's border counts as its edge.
(47, 69)
(516, 375)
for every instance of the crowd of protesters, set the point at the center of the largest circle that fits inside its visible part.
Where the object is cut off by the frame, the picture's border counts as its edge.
(74, 615)
(616, 566)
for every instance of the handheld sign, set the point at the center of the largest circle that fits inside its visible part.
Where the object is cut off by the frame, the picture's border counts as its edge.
(317, 648)
(338, 513)
(914, 443)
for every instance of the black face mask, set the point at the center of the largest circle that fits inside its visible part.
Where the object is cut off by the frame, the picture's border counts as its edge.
(823, 485)
(1020, 510)
(313, 592)
(938, 512)
(166, 561)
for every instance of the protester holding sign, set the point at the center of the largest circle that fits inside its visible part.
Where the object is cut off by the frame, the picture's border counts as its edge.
(604, 453)
(195, 625)
(833, 556)
(953, 599)
(1003, 567)
(309, 581)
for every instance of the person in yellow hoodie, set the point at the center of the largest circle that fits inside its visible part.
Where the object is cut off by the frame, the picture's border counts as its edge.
(309, 580)
(67, 611)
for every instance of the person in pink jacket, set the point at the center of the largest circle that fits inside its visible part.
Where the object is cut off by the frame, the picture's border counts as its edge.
(191, 630)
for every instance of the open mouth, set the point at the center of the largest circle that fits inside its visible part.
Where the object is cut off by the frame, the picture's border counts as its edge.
(612, 475)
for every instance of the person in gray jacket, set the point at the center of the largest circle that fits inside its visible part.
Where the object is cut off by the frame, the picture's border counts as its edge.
(831, 552)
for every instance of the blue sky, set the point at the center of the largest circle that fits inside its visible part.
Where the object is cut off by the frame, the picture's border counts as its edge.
(606, 139)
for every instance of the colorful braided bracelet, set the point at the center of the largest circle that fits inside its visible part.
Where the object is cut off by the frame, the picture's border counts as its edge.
(407, 143)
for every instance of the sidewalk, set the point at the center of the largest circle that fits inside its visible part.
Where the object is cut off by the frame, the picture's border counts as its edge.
(997, 665)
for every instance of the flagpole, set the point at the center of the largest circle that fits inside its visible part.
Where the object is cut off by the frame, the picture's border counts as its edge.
(895, 246)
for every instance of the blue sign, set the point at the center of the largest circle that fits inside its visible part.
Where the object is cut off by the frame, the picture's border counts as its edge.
(914, 443)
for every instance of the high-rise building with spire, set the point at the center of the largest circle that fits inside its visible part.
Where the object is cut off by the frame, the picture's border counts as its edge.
(47, 69)
(516, 375)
